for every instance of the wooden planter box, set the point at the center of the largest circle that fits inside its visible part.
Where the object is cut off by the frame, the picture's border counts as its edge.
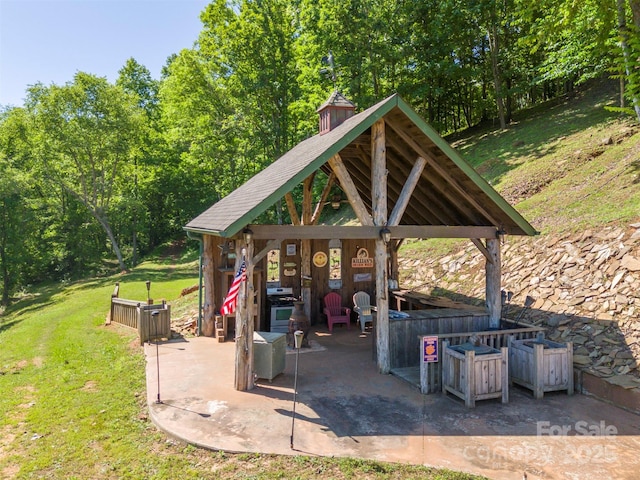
(154, 327)
(138, 316)
(541, 365)
(431, 373)
(475, 372)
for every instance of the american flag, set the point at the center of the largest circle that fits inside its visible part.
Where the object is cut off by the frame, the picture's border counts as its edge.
(230, 302)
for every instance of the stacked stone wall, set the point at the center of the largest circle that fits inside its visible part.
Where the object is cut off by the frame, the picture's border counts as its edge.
(585, 288)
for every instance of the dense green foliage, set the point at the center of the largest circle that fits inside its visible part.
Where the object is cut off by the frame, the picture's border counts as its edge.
(91, 170)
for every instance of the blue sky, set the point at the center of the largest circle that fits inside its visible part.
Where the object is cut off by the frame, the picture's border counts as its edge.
(48, 41)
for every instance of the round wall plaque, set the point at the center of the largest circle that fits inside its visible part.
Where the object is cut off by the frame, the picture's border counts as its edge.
(320, 259)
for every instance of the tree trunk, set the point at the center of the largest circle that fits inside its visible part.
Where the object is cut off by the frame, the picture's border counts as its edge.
(104, 222)
(624, 44)
(635, 10)
(494, 51)
(5, 276)
(134, 241)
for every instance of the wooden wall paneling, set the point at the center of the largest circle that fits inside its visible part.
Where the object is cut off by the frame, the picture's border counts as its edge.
(320, 282)
(293, 281)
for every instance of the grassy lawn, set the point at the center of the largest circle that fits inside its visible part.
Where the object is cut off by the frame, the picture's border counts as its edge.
(566, 166)
(73, 401)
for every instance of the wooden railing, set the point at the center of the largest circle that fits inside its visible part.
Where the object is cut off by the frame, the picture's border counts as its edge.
(141, 317)
(431, 373)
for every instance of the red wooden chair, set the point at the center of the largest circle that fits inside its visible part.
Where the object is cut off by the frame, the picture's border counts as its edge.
(334, 310)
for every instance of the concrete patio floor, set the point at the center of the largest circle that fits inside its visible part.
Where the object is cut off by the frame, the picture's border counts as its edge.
(345, 408)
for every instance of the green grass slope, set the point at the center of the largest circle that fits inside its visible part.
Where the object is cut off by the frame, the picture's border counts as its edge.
(73, 400)
(564, 166)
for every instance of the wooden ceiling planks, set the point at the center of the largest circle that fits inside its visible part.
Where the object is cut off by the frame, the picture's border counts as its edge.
(449, 192)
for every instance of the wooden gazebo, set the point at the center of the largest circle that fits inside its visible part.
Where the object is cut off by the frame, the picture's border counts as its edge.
(402, 181)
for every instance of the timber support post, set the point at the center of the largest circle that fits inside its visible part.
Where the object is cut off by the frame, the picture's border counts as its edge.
(244, 324)
(493, 282)
(379, 210)
(208, 266)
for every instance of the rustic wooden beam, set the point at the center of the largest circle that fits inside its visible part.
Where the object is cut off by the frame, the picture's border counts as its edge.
(208, 274)
(407, 191)
(428, 202)
(446, 175)
(305, 244)
(244, 325)
(493, 283)
(478, 243)
(379, 211)
(307, 198)
(271, 244)
(291, 206)
(350, 190)
(393, 260)
(327, 232)
(421, 210)
(323, 198)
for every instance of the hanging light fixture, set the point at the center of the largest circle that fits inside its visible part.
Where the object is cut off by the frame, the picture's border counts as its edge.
(248, 235)
(385, 235)
(336, 199)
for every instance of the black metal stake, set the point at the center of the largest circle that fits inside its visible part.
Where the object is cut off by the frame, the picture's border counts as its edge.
(155, 314)
(297, 342)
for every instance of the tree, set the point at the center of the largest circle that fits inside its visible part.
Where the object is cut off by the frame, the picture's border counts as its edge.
(630, 47)
(84, 134)
(15, 216)
(136, 80)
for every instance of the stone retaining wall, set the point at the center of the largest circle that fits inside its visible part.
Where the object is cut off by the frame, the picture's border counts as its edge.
(586, 289)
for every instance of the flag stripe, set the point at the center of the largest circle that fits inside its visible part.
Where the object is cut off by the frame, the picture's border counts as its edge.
(231, 300)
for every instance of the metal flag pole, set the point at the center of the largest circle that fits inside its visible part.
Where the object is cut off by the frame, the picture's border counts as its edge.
(298, 336)
(155, 314)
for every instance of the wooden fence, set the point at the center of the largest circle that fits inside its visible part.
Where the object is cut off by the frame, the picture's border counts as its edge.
(405, 332)
(431, 372)
(141, 317)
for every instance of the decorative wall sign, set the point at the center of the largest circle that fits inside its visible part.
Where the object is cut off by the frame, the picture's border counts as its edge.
(291, 249)
(362, 259)
(289, 272)
(362, 277)
(430, 349)
(320, 259)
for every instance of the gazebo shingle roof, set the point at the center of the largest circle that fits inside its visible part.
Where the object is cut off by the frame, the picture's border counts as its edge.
(450, 192)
